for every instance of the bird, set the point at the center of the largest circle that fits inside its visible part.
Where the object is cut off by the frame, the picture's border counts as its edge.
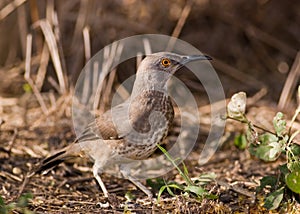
(133, 129)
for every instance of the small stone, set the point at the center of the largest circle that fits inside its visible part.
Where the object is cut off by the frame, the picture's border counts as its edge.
(17, 171)
(103, 205)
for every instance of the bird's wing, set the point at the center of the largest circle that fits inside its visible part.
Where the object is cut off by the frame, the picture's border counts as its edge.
(130, 117)
(108, 126)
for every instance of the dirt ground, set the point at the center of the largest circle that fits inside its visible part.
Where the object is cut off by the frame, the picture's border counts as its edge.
(254, 46)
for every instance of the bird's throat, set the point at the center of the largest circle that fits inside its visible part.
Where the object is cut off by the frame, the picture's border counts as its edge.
(148, 81)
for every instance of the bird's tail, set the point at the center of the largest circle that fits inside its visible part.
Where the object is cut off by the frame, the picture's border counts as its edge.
(58, 157)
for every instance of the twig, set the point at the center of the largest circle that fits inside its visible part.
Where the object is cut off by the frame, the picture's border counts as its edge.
(297, 112)
(23, 28)
(238, 75)
(80, 22)
(86, 43)
(9, 8)
(53, 109)
(27, 75)
(109, 87)
(56, 30)
(1, 122)
(180, 23)
(41, 73)
(109, 56)
(236, 189)
(54, 84)
(257, 96)
(12, 141)
(255, 126)
(18, 68)
(25, 181)
(270, 40)
(262, 55)
(52, 45)
(35, 17)
(290, 83)
(139, 58)
(256, 33)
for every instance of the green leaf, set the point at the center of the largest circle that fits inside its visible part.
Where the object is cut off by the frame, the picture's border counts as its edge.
(284, 169)
(211, 196)
(27, 88)
(293, 165)
(295, 148)
(175, 186)
(160, 192)
(24, 200)
(250, 135)
(156, 183)
(195, 189)
(10, 206)
(267, 181)
(268, 138)
(185, 170)
(240, 141)
(205, 178)
(3, 208)
(129, 196)
(293, 181)
(273, 200)
(184, 176)
(170, 191)
(168, 187)
(269, 149)
(279, 124)
(1, 202)
(268, 152)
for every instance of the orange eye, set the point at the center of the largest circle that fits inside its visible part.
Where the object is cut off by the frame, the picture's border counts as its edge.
(166, 62)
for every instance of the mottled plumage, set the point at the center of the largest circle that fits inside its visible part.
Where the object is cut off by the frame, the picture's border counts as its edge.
(130, 130)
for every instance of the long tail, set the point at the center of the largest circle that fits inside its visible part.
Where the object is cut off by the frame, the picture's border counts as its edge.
(57, 158)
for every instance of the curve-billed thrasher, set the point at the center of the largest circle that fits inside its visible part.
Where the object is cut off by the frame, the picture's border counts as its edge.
(130, 130)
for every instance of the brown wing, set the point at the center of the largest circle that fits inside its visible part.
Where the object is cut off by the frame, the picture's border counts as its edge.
(105, 126)
(118, 122)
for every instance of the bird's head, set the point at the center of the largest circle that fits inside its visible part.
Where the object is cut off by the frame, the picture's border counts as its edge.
(155, 69)
(167, 62)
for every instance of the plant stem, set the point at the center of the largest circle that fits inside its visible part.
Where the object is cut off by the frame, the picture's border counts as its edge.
(185, 177)
(294, 118)
(247, 122)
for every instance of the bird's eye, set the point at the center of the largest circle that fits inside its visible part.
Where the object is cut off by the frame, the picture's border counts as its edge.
(165, 62)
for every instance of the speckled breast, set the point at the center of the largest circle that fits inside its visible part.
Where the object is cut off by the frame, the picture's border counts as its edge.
(151, 115)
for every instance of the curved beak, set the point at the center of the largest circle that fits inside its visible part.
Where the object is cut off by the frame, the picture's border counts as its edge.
(189, 58)
(186, 59)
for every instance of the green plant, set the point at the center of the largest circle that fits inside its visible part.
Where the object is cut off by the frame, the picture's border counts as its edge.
(21, 206)
(269, 146)
(190, 187)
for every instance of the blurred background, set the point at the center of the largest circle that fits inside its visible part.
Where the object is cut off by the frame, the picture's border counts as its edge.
(44, 44)
(254, 44)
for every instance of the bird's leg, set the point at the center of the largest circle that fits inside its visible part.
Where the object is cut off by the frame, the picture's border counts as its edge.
(140, 185)
(99, 180)
(125, 172)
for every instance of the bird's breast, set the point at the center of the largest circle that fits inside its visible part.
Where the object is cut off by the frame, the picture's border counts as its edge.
(150, 114)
